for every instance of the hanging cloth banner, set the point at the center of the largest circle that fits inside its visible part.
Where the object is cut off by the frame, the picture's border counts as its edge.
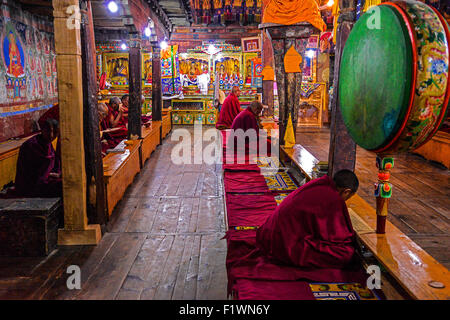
(292, 61)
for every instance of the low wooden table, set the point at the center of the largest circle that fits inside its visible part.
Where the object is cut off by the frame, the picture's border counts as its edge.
(301, 158)
(119, 172)
(150, 140)
(166, 125)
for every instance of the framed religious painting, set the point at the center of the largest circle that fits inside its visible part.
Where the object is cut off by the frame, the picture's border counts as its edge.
(147, 69)
(116, 67)
(248, 67)
(228, 70)
(252, 44)
(192, 65)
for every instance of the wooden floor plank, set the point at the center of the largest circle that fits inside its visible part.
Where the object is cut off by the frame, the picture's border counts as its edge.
(153, 278)
(180, 284)
(166, 286)
(107, 280)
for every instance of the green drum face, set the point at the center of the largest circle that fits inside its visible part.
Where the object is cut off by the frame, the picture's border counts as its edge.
(393, 81)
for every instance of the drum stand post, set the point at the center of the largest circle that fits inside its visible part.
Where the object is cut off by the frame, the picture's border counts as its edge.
(383, 190)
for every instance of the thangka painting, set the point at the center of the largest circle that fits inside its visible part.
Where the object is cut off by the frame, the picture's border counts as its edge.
(28, 65)
(257, 68)
(228, 71)
(170, 71)
(248, 67)
(244, 12)
(147, 69)
(116, 66)
(192, 66)
(252, 44)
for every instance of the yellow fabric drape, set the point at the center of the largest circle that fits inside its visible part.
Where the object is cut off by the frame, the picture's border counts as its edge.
(289, 136)
(335, 12)
(292, 61)
(268, 73)
(290, 12)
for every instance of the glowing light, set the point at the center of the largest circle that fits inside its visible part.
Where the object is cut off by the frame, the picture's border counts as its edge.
(310, 54)
(147, 32)
(163, 45)
(123, 46)
(112, 6)
(330, 3)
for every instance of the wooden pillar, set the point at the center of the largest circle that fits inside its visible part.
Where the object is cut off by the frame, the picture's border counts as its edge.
(135, 89)
(70, 90)
(288, 84)
(342, 152)
(96, 204)
(156, 84)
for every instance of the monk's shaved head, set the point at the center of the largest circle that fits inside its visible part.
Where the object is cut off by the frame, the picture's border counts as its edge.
(236, 91)
(256, 107)
(346, 182)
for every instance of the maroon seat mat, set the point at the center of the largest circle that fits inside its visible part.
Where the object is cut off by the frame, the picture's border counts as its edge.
(249, 210)
(244, 182)
(246, 289)
(241, 167)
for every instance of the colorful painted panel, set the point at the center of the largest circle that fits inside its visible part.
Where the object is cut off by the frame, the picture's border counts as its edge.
(199, 118)
(147, 69)
(28, 65)
(188, 118)
(176, 118)
(116, 66)
(211, 118)
(193, 65)
(248, 67)
(170, 76)
(342, 291)
(281, 181)
(229, 71)
(267, 162)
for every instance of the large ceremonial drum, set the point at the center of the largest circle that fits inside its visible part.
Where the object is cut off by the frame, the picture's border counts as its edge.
(394, 86)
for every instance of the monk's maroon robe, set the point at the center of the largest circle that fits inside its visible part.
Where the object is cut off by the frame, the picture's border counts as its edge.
(245, 120)
(310, 228)
(36, 161)
(117, 136)
(230, 109)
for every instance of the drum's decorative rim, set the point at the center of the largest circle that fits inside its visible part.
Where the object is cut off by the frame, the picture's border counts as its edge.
(414, 76)
(447, 96)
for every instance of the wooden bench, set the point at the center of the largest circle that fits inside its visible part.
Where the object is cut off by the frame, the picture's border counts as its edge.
(411, 268)
(166, 124)
(150, 140)
(29, 226)
(9, 152)
(119, 170)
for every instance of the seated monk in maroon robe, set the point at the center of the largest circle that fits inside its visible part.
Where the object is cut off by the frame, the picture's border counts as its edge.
(246, 120)
(312, 227)
(116, 119)
(38, 171)
(107, 141)
(230, 109)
